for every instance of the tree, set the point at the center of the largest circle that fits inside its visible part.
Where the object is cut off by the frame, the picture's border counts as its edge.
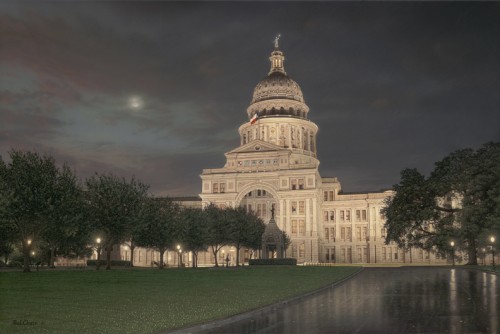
(218, 229)
(159, 225)
(32, 189)
(287, 241)
(460, 201)
(66, 227)
(251, 234)
(113, 205)
(194, 232)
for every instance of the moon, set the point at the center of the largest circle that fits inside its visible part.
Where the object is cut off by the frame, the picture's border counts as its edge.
(135, 102)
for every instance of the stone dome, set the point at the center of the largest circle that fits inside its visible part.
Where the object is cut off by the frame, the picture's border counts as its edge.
(277, 94)
(277, 85)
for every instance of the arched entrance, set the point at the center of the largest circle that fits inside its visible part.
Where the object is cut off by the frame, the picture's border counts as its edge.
(260, 201)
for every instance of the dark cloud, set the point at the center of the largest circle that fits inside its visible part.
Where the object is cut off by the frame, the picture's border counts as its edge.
(390, 84)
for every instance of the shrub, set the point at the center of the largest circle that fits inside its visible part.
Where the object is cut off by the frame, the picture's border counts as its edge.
(273, 262)
(119, 263)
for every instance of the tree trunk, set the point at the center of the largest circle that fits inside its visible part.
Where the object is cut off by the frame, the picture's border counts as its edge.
(195, 259)
(132, 247)
(161, 257)
(108, 256)
(472, 252)
(51, 260)
(238, 255)
(215, 251)
(98, 264)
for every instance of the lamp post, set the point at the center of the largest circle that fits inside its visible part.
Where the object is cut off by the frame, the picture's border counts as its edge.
(452, 244)
(180, 256)
(98, 249)
(492, 240)
(484, 255)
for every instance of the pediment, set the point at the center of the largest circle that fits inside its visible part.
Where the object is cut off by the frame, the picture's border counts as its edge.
(257, 146)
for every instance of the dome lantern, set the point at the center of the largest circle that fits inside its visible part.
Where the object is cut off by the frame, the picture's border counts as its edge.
(277, 59)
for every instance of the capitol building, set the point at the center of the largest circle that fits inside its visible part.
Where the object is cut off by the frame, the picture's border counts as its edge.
(276, 165)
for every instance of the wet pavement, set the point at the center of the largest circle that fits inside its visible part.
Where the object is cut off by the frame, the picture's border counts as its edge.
(384, 300)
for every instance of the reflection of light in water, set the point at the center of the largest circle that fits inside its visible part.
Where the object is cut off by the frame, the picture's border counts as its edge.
(493, 304)
(453, 291)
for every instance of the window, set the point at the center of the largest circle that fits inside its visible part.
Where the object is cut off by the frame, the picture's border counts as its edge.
(301, 207)
(294, 227)
(327, 233)
(328, 196)
(332, 216)
(294, 251)
(294, 184)
(259, 193)
(325, 216)
(222, 188)
(301, 183)
(332, 233)
(345, 233)
(358, 233)
(364, 232)
(215, 188)
(294, 207)
(302, 250)
(358, 215)
(363, 215)
(383, 232)
(342, 217)
(348, 215)
(302, 227)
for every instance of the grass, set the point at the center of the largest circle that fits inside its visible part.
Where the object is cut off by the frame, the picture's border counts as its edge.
(145, 300)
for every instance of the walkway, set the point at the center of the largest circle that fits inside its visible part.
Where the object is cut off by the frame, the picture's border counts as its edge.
(384, 300)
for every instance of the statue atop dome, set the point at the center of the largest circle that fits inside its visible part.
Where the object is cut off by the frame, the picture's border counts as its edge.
(276, 39)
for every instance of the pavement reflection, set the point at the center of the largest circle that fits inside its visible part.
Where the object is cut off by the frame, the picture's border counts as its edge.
(386, 300)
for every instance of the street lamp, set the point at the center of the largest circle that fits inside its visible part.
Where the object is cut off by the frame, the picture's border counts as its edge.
(98, 241)
(492, 240)
(180, 256)
(484, 255)
(452, 244)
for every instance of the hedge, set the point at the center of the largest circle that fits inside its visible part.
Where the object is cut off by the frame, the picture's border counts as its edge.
(113, 263)
(273, 262)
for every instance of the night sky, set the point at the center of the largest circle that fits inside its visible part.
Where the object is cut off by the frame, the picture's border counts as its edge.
(158, 89)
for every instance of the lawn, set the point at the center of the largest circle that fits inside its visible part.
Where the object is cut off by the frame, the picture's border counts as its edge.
(146, 300)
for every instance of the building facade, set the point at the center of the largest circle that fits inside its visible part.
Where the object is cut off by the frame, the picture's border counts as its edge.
(276, 164)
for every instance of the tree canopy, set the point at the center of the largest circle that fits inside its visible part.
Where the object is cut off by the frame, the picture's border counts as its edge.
(459, 201)
(34, 193)
(113, 207)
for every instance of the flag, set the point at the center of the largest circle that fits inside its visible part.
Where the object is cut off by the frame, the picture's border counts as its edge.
(254, 118)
